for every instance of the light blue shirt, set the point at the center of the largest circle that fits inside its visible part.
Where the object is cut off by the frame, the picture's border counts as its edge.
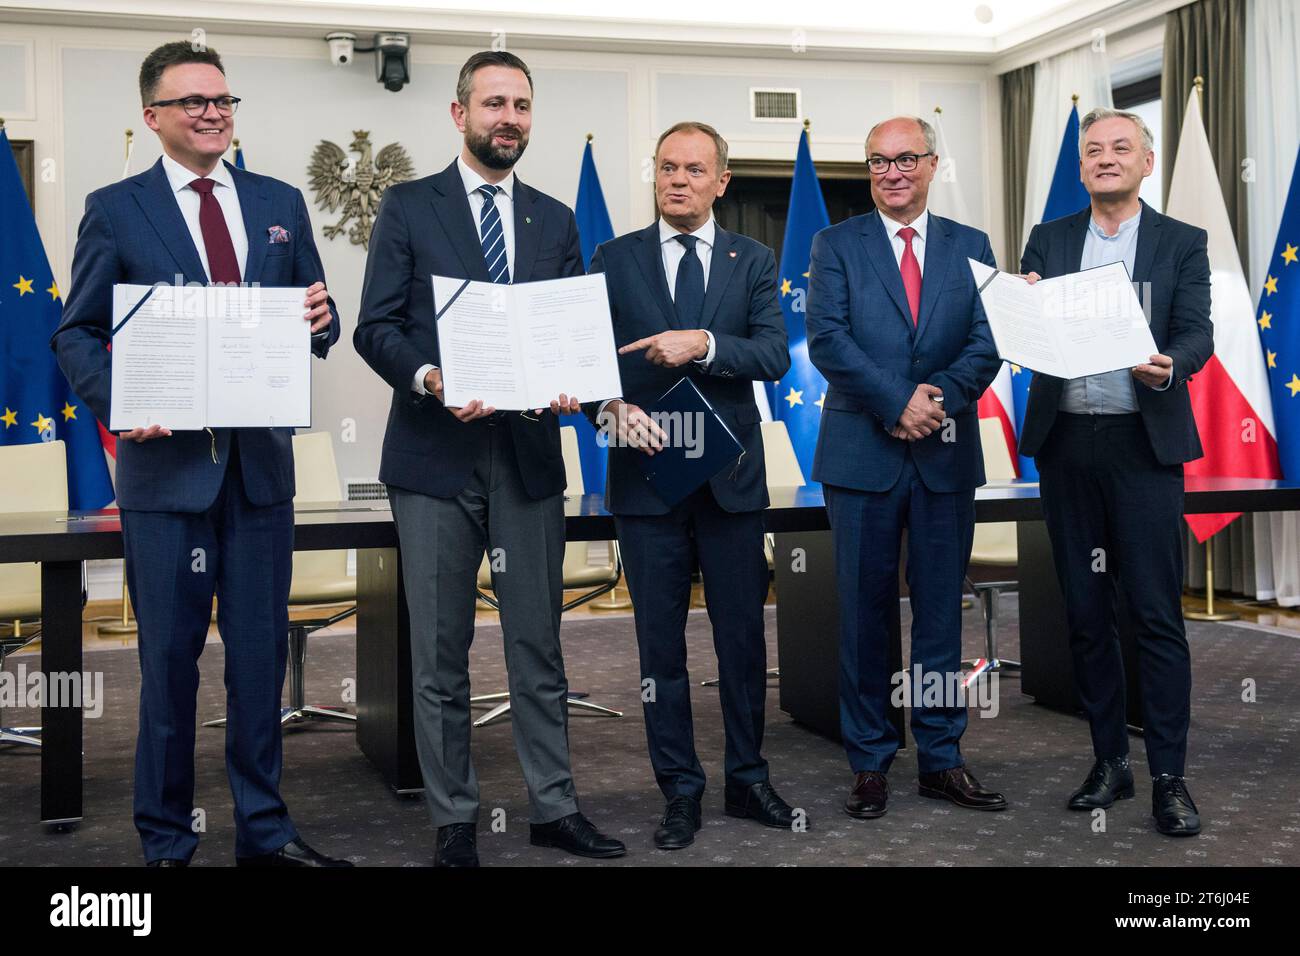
(1110, 393)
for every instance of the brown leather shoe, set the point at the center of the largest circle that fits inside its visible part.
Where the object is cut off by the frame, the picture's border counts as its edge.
(960, 786)
(869, 796)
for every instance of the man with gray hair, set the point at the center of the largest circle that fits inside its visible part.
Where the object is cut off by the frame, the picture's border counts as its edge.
(1110, 450)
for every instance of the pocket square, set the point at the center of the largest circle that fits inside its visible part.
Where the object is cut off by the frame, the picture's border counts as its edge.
(277, 234)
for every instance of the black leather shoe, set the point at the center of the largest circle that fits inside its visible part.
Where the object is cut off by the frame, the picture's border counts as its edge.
(293, 853)
(680, 822)
(457, 846)
(166, 863)
(869, 796)
(958, 785)
(759, 801)
(575, 834)
(1172, 807)
(1108, 780)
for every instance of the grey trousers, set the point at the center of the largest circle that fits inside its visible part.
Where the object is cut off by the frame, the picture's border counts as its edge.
(443, 541)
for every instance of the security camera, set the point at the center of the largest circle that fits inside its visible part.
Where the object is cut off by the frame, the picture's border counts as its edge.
(342, 47)
(393, 60)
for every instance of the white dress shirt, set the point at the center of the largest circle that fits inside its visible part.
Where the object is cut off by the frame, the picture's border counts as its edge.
(179, 178)
(505, 200)
(898, 244)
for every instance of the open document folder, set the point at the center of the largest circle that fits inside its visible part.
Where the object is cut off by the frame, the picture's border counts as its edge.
(516, 347)
(192, 357)
(1074, 325)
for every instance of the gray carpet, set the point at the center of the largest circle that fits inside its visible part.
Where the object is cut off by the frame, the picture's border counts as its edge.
(1243, 763)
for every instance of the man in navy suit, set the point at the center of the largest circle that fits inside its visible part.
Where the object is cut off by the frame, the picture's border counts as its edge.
(209, 511)
(1110, 450)
(895, 325)
(689, 299)
(464, 478)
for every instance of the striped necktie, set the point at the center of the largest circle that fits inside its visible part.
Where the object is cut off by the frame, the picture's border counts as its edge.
(492, 236)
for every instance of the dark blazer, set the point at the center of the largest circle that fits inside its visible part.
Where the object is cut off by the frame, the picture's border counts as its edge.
(133, 232)
(425, 228)
(1173, 266)
(862, 339)
(742, 311)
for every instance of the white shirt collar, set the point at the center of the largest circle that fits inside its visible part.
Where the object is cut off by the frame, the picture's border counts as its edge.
(919, 224)
(178, 177)
(706, 233)
(473, 180)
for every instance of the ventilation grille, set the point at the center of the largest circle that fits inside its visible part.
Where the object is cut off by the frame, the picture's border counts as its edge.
(773, 105)
(366, 489)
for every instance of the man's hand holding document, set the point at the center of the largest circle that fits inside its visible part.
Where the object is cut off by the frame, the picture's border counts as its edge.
(517, 347)
(1070, 326)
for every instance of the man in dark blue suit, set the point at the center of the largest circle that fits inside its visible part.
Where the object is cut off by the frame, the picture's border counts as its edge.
(209, 511)
(462, 479)
(689, 299)
(1110, 450)
(895, 325)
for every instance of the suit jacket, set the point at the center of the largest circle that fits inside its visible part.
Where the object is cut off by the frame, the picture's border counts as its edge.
(1172, 270)
(862, 339)
(742, 311)
(133, 232)
(424, 227)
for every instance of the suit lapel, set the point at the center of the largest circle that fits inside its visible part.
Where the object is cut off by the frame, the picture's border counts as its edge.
(254, 206)
(881, 256)
(451, 206)
(722, 265)
(650, 259)
(528, 231)
(938, 258)
(158, 204)
(1075, 237)
(1147, 244)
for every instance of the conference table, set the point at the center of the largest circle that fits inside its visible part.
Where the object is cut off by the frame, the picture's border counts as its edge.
(807, 610)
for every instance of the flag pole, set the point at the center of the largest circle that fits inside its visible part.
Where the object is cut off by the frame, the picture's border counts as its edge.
(126, 626)
(1209, 614)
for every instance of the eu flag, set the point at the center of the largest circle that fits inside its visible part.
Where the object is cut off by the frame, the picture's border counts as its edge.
(799, 395)
(38, 404)
(594, 228)
(1279, 330)
(1066, 196)
(239, 156)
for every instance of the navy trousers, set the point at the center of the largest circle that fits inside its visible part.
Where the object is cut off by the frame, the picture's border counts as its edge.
(175, 562)
(1114, 515)
(659, 553)
(868, 533)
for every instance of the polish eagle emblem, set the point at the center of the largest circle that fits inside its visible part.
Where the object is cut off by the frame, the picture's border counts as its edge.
(356, 186)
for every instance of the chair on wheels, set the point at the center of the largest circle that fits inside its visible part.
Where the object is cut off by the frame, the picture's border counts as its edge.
(35, 478)
(781, 466)
(320, 578)
(579, 573)
(995, 545)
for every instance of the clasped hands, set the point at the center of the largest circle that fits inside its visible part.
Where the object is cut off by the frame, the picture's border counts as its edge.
(475, 409)
(922, 416)
(1153, 374)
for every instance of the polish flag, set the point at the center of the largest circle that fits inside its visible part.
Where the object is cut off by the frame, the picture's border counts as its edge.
(1230, 395)
(996, 402)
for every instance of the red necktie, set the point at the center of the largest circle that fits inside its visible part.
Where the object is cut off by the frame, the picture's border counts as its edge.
(910, 268)
(223, 266)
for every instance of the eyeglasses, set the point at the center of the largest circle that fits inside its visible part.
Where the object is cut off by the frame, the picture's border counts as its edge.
(879, 165)
(198, 105)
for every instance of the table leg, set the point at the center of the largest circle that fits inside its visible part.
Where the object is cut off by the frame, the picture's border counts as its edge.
(61, 729)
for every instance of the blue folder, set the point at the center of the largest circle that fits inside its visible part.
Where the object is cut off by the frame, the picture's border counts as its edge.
(700, 444)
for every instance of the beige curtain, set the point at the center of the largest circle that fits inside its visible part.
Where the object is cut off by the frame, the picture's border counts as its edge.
(1208, 39)
(1017, 117)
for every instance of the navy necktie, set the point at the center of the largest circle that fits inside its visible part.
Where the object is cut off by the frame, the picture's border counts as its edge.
(688, 295)
(492, 236)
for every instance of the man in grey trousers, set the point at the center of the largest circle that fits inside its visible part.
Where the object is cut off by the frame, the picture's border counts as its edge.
(469, 478)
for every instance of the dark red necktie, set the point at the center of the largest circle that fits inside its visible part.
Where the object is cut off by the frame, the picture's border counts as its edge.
(910, 268)
(223, 265)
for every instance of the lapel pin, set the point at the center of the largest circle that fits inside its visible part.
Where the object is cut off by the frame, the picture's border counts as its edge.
(528, 220)
(732, 254)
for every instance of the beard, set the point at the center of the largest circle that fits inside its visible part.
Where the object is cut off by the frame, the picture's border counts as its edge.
(496, 157)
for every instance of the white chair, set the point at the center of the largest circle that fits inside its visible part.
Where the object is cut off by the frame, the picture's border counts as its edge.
(319, 577)
(579, 572)
(995, 545)
(34, 478)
